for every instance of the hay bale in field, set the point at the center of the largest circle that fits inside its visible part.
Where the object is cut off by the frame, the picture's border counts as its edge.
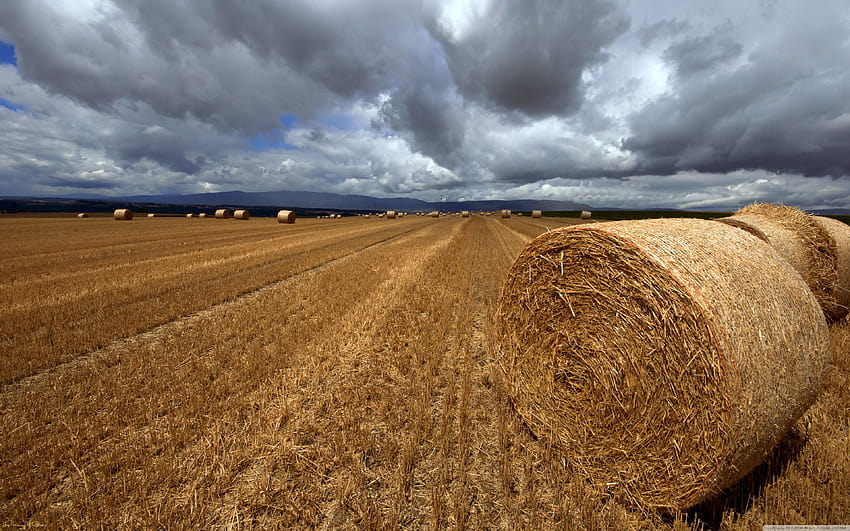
(801, 240)
(366, 216)
(464, 214)
(241, 214)
(536, 214)
(82, 215)
(506, 213)
(585, 215)
(391, 214)
(122, 214)
(435, 214)
(840, 234)
(222, 213)
(190, 215)
(663, 358)
(202, 215)
(151, 215)
(285, 216)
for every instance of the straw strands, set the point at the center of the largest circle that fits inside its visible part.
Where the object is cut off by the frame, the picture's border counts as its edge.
(241, 214)
(285, 216)
(663, 358)
(840, 234)
(122, 214)
(801, 240)
(222, 213)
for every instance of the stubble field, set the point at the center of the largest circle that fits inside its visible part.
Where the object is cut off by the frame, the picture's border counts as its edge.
(202, 373)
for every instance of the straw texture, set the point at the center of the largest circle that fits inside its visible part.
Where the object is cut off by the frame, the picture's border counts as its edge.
(801, 240)
(285, 216)
(222, 213)
(840, 234)
(663, 358)
(123, 214)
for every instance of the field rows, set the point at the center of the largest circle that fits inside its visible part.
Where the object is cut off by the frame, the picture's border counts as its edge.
(331, 374)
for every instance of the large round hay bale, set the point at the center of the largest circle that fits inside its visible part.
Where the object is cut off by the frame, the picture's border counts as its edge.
(585, 215)
(536, 214)
(391, 214)
(662, 358)
(285, 216)
(122, 214)
(82, 215)
(435, 214)
(241, 214)
(506, 213)
(464, 214)
(840, 234)
(801, 240)
(222, 213)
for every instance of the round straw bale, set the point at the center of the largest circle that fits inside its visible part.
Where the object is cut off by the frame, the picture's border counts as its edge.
(506, 213)
(391, 214)
(840, 234)
(663, 358)
(285, 216)
(585, 215)
(222, 213)
(190, 215)
(82, 215)
(241, 214)
(202, 215)
(435, 214)
(464, 214)
(123, 214)
(536, 214)
(151, 215)
(801, 240)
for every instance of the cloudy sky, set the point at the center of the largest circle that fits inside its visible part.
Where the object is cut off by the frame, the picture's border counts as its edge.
(699, 104)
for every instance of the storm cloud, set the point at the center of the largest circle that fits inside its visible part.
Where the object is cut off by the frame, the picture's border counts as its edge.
(636, 102)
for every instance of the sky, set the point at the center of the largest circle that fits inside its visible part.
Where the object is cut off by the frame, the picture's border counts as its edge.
(693, 104)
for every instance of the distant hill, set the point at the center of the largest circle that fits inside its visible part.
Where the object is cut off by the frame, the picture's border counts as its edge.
(296, 199)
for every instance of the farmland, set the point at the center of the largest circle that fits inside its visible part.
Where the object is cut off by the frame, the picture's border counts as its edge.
(332, 373)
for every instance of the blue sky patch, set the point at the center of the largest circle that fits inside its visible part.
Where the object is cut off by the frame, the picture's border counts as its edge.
(273, 140)
(7, 54)
(9, 105)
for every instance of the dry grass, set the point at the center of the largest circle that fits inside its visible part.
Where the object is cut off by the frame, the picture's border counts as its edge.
(371, 403)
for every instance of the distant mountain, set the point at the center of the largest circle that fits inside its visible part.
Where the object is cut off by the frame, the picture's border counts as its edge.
(293, 199)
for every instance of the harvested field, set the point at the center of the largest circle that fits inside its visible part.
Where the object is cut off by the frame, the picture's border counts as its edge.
(182, 375)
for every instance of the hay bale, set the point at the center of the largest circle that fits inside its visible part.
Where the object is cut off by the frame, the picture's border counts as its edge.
(366, 216)
(801, 240)
(190, 215)
(151, 215)
(585, 215)
(122, 214)
(391, 214)
(506, 213)
(285, 216)
(222, 213)
(202, 215)
(840, 234)
(662, 358)
(82, 215)
(434, 214)
(241, 214)
(536, 214)
(464, 214)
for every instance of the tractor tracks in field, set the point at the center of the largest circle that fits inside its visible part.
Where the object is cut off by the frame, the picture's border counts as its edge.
(153, 333)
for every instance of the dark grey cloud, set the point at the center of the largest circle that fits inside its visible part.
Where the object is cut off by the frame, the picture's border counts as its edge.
(529, 56)
(785, 109)
(663, 29)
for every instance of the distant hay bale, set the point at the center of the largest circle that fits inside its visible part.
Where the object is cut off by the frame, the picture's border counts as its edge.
(506, 213)
(662, 358)
(285, 216)
(801, 240)
(435, 214)
(366, 216)
(241, 214)
(222, 213)
(190, 215)
(464, 214)
(202, 215)
(123, 214)
(82, 215)
(151, 215)
(840, 234)
(391, 214)
(585, 214)
(536, 214)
